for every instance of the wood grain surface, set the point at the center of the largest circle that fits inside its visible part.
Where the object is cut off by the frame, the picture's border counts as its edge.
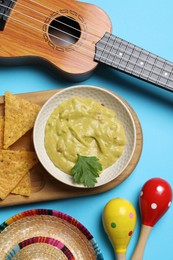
(29, 33)
(44, 186)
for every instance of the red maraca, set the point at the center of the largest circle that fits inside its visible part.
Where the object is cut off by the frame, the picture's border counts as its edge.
(155, 199)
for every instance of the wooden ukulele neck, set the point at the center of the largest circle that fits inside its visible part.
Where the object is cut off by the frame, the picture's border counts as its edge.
(131, 59)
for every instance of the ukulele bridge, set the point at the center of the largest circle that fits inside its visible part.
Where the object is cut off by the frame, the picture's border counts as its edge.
(5, 8)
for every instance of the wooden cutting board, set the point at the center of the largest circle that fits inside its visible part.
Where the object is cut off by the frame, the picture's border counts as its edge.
(44, 186)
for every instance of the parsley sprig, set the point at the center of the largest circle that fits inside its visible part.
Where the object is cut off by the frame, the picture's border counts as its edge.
(86, 170)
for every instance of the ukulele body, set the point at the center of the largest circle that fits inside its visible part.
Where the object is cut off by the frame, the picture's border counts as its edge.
(31, 31)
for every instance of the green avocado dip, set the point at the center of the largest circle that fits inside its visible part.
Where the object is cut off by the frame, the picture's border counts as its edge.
(83, 126)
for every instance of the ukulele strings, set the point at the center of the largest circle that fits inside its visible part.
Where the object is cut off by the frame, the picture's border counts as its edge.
(59, 30)
(70, 18)
(56, 37)
(56, 29)
(79, 47)
(164, 71)
(53, 36)
(60, 22)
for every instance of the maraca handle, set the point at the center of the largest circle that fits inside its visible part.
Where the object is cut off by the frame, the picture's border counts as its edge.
(139, 251)
(120, 256)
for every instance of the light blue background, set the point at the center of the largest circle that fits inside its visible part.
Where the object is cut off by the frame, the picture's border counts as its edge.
(147, 24)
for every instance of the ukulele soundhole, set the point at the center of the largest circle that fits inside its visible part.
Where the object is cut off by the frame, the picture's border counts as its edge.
(64, 31)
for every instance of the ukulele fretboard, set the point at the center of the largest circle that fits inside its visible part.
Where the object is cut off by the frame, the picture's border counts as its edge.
(5, 9)
(124, 56)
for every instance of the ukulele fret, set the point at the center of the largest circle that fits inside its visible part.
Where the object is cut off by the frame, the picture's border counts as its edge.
(134, 60)
(106, 48)
(117, 49)
(5, 9)
(129, 58)
(167, 75)
(135, 66)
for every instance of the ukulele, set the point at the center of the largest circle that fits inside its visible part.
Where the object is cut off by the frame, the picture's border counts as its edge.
(75, 37)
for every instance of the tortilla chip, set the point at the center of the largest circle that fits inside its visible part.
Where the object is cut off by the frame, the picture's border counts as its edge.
(13, 167)
(20, 115)
(1, 131)
(24, 186)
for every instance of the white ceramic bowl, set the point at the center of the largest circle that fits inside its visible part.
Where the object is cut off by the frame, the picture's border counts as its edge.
(109, 100)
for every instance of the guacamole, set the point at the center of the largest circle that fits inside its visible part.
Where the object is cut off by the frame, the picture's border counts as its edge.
(83, 126)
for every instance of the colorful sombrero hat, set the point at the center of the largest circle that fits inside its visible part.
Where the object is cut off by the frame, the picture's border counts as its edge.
(48, 234)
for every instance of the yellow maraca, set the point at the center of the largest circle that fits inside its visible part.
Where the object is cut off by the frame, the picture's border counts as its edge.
(119, 221)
